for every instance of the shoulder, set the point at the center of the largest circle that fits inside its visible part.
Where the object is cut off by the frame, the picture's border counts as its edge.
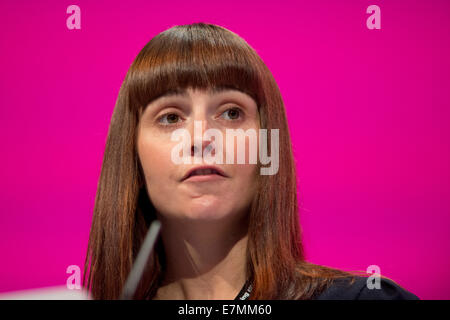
(343, 289)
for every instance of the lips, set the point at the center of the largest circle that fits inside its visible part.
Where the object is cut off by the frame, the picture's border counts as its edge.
(204, 171)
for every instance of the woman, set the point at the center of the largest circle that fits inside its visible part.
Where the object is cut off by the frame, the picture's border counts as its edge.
(227, 230)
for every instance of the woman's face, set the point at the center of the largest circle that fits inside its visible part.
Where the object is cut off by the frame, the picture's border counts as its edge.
(201, 195)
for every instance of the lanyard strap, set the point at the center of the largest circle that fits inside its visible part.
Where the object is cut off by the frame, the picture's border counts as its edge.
(244, 294)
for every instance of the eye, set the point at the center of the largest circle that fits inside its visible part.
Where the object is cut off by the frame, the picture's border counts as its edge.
(232, 114)
(169, 118)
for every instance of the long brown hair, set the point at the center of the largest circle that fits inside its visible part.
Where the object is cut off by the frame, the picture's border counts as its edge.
(198, 55)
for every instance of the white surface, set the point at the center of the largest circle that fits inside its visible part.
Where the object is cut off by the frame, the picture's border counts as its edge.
(49, 293)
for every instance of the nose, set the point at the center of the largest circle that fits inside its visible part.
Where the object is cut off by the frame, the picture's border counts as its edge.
(195, 150)
(198, 145)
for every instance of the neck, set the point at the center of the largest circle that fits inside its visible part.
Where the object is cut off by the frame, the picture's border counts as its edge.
(205, 260)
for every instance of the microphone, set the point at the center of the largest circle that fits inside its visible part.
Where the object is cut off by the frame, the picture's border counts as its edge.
(137, 270)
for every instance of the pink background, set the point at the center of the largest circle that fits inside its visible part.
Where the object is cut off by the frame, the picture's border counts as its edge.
(368, 112)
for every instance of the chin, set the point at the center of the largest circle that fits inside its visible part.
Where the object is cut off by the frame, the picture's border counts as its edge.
(205, 208)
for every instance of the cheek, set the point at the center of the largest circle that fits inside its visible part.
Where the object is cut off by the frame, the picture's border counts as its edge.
(246, 181)
(155, 158)
(244, 188)
(249, 172)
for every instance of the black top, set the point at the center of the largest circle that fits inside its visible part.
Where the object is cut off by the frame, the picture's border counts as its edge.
(341, 289)
(359, 290)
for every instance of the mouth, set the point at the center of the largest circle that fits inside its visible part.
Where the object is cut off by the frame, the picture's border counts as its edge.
(207, 173)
